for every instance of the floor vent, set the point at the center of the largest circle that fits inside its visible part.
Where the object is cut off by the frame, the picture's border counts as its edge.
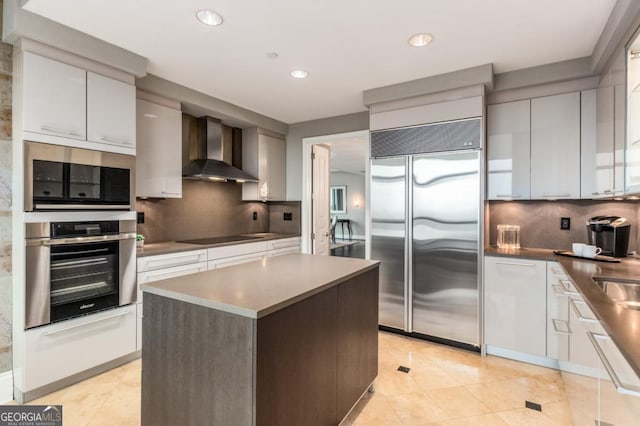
(403, 369)
(533, 406)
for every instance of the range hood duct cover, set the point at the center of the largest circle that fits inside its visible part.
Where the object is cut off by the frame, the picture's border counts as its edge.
(214, 155)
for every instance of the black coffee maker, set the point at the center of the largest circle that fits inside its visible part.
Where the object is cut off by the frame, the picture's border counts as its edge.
(610, 233)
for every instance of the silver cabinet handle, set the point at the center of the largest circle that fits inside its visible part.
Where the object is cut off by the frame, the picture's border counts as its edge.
(524, 265)
(62, 330)
(60, 131)
(579, 315)
(563, 194)
(561, 326)
(594, 337)
(80, 240)
(113, 139)
(508, 195)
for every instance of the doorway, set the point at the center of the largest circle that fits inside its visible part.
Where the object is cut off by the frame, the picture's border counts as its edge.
(349, 184)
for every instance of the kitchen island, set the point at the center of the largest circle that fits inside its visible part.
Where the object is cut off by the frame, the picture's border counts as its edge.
(285, 340)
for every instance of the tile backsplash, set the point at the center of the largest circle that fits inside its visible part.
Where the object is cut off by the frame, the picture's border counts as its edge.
(209, 209)
(540, 220)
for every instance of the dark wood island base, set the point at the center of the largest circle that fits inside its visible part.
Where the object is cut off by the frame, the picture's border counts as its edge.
(307, 363)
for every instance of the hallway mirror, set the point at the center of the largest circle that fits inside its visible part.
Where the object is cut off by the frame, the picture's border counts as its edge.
(338, 199)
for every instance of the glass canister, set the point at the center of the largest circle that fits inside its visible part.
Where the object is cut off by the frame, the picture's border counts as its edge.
(509, 236)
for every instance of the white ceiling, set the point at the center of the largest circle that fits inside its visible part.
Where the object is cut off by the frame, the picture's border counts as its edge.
(347, 46)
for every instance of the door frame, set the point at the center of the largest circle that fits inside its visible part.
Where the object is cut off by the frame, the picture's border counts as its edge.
(305, 207)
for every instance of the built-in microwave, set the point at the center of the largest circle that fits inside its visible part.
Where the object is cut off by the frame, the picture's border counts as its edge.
(65, 178)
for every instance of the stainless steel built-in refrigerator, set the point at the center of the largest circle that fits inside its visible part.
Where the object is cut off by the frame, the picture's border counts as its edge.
(425, 228)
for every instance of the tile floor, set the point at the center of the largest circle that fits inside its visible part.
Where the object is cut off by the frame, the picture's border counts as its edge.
(445, 386)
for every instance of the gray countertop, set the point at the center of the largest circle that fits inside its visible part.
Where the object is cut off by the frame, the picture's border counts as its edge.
(256, 289)
(166, 247)
(524, 253)
(619, 322)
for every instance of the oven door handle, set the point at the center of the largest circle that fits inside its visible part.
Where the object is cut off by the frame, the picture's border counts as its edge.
(81, 240)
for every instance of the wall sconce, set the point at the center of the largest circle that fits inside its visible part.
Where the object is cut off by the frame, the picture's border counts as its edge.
(356, 202)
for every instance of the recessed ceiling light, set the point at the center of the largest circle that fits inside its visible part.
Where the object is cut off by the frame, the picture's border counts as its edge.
(272, 55)
(209, 17)
(420, 40)
(299, 74)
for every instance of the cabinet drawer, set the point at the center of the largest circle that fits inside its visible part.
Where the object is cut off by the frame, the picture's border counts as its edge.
(235, 260)
(170, 260)
(165, 273)
(215, 253)
(60, 350)
(281, 251)
(283, 243)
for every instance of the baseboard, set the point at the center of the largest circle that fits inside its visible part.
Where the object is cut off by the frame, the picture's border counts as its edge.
(523, 357)
(6, 387)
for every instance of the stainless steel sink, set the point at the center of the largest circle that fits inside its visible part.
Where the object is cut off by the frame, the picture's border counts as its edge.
(624, 291)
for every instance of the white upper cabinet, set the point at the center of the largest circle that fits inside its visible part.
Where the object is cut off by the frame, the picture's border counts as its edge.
(55, 97)
(159, 150)
(555, 147)
(264, 156)
(508, 150)
(111, 111)
(67, 105)
(596, 152)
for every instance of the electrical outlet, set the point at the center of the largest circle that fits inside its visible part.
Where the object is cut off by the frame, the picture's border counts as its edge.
(255, 215)
(565, 223)
(139, 217)
(287, 216)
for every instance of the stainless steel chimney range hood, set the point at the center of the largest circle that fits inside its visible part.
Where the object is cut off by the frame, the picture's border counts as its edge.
(214, 155)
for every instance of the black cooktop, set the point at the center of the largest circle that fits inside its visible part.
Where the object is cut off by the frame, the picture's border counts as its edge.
(218, 240)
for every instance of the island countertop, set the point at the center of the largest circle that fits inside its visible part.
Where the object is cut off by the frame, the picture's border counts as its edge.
(256, 289)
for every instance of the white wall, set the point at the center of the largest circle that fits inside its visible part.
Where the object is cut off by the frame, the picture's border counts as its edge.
(355, 184)
(325, 126)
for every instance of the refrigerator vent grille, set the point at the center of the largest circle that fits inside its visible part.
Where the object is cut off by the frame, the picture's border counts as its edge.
(441, 137)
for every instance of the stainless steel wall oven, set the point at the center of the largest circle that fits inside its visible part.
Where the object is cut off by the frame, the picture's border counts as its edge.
(64, 178)
(75, 268)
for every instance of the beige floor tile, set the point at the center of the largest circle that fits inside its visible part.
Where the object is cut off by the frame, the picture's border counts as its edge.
(445, 386)
(527, 417)
(485, 420)
(417, 409)
(458, 402)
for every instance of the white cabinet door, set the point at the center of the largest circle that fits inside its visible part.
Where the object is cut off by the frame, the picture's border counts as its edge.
(582, 355)
(60, 350)
(558, 330)
(274, 150)
(597, 141)
(264, 156)
(55, 97)
(158, 151)
(111, 111)
(508, 150)
(555, 147)
(515, 304)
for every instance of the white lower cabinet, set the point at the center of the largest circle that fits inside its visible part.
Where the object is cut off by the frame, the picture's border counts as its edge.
(162, 267)
(515, 300)
(619, 386)
(57, 351)
(283, 246)
(558, 329)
